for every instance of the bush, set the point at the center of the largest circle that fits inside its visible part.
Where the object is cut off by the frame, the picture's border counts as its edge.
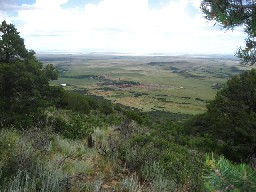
(73, 128)
(40, 178)
(8, 146)
(31, 164)
(134, 115)
(77, 102)
(230, 119)
(179, 165)
(106, 107)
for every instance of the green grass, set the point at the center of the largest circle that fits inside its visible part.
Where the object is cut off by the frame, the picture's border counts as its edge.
(176, 78)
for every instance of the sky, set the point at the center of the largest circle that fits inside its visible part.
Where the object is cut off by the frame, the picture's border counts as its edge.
(125, 26)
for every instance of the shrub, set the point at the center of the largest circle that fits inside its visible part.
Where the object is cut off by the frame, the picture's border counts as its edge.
(77, 102)
(230, 119)
(40, 178)
(8, 148)
(106, 107)
(180, 166)
(73, 128)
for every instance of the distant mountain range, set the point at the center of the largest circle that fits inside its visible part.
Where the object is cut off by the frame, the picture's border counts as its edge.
(228, 56)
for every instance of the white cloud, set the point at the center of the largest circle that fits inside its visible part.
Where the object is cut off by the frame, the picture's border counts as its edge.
(123, 25)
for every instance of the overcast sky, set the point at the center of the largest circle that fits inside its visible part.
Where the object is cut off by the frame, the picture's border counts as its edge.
(132, 26)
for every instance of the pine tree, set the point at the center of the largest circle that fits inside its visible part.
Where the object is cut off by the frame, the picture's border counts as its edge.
(24, 82)
(234, 13)
(226, 176)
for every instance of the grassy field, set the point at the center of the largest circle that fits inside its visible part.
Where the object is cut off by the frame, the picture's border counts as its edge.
(177, 84)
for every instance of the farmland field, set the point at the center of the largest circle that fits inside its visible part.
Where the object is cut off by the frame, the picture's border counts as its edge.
(176, 84)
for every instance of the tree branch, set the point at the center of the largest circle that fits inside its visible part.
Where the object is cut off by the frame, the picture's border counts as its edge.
(249, 6)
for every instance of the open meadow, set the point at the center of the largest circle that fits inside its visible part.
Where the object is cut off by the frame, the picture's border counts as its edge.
(176, 84)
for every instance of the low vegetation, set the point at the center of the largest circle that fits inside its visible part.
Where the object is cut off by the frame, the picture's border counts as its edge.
(53, 139)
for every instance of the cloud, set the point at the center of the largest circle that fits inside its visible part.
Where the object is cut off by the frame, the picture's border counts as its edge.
(175, 26)
(7, 5)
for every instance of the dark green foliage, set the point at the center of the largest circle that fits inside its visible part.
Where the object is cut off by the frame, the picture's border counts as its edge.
(148, 144)
(179, 164)
(134, 115)
(56, 96)
(229, 126)
(77, 102)
(164, 115)
(50, 72)
(225, 176)
(23, 165)
(120, 83)
(231, 14)
(84, 103)
(8, 147)
(75, 125)
(106, 107)
(74, 128)
(24, 82)
(140, 149)
(12, 45)
(80, 76)
(238, 95)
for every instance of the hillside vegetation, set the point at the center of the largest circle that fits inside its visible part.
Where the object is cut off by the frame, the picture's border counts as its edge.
(53, 139)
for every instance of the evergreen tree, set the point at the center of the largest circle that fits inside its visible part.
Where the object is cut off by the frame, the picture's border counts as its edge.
(12, 45)
(233, 13)
(223, 175)
(24, 82)
(230, 120)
